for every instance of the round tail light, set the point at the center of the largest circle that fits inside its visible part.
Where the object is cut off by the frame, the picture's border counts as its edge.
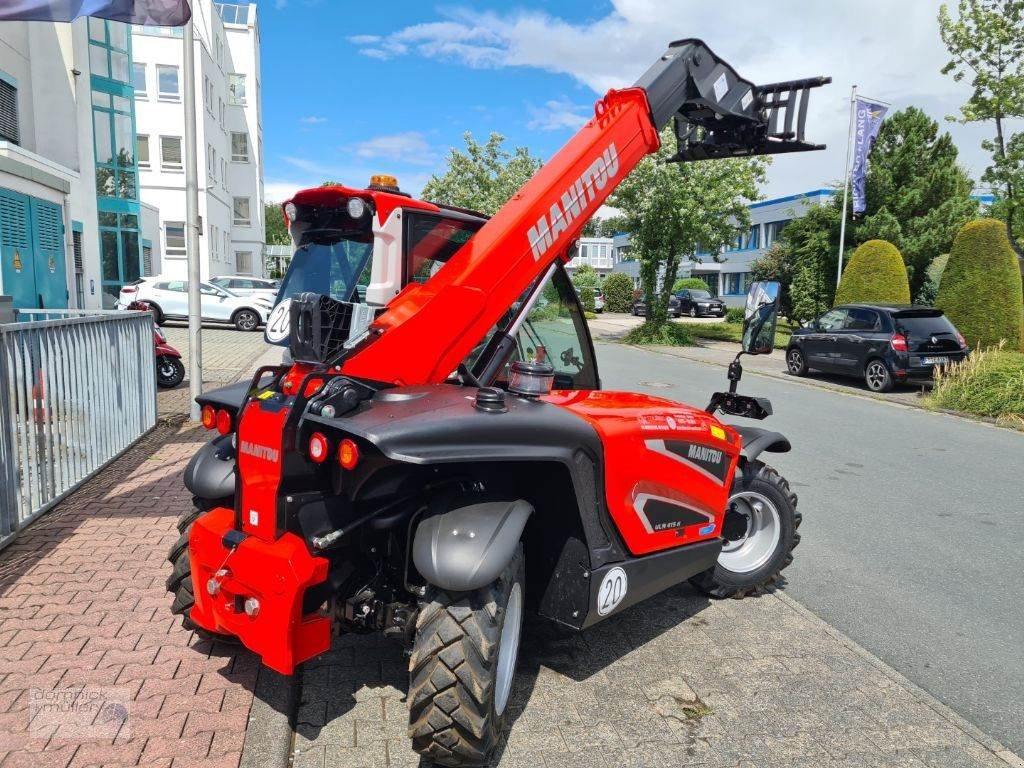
(208, 417)
(348, 454)
(223, 422)
(318, 448)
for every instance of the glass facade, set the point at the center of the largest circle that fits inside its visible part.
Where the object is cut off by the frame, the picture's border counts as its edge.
(117, 171)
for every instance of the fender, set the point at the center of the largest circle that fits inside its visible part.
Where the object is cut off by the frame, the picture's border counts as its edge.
(757, 440)
(210, 473)
(468, 547)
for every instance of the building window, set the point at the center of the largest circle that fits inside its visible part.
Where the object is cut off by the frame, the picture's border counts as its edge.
(114, 135)
(109, 50)
(147, 260)
(211, 162)
(139, 79)
(9, 113)
(242, 218)
(174, 234)
(167, 81)
(143, 151)
(243, 262)
(773, 231)
(736, 283)
(170, 153)
(222, 112)
(240, 147)
(236, 88)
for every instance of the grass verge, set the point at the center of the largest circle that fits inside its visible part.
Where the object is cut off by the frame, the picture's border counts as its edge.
(668, 335)
(988, 383)
(733, 332)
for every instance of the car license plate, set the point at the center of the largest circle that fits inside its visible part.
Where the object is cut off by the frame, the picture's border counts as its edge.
(934, 360)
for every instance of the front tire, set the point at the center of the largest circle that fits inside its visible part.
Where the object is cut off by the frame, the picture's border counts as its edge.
(795, 363)
(460, 674)
(246, 320)
(170, 371)
(179, 583)
(693, 311)
(760, 529)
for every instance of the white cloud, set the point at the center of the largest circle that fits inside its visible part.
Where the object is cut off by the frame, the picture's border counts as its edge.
(313, 120)
(409, 147)
(354, 173)
(892, 50)
(558, 114)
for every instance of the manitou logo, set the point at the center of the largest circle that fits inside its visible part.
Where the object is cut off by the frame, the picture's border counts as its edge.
(260, 451)
(576, 200)
(703, 453)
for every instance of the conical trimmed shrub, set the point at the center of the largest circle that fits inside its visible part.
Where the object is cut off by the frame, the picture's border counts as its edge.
(980, 290)
(875, 274)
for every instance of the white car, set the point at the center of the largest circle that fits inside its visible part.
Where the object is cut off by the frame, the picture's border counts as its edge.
(248, 286)
(169, 299)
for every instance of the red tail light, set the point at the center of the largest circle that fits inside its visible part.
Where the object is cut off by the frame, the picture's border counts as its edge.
(348, 454)
(898, 342)
(128, 289)
(318, 448)
(209, 417)
(961, 339)
(223, 422)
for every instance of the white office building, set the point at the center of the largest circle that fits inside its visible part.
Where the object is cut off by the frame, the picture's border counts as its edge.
(72, 228)
(230, 145)
(596, 252)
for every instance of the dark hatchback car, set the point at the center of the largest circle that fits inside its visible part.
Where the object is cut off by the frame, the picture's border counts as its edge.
(884, 344)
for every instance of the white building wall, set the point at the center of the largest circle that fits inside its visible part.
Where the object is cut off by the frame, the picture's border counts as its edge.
(220, 51)
(54, 159)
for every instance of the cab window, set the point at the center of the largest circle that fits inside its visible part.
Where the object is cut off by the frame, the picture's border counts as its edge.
(432, 239)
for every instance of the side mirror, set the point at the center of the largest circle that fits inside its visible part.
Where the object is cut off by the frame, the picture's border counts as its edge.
(759, 318)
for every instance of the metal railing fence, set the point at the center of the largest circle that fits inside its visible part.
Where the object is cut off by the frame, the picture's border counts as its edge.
(77, 388)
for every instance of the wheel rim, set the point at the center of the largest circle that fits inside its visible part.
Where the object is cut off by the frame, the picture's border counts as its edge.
(508, 649)
(876, 375)
(247, 321)
(757, 545)
(693, 313)
(166, 370)
(795, 362)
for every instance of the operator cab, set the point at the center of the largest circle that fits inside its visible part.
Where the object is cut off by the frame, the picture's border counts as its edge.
(363, 246)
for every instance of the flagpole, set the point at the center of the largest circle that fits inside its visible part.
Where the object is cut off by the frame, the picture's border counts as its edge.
(846, 182)
(195, 342)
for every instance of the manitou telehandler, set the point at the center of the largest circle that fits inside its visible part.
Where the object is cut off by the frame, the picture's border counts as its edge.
(437, 456)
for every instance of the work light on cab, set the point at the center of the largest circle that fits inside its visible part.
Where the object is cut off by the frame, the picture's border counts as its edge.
(356, 207)
(384, 182)
(318, 448)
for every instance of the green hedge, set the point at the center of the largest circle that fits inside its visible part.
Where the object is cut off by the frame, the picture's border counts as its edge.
(875, 274)
(689, 282)
(980, 290)
(618, 293)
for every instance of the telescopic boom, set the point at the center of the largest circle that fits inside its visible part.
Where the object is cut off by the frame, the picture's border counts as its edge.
(429, 328)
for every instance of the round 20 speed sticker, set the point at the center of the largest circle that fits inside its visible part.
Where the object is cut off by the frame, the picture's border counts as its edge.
(278, 322)
(613, 589)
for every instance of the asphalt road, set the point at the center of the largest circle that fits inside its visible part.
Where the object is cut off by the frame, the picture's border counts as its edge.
(913, 533)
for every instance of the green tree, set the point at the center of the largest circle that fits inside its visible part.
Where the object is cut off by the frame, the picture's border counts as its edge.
(986, 46)
(670, 209)
(584, 277)
(618, 292)
(274, 228)
(874, 274)
(812, 244)
(918, 196)
(981, 286)
(483, 177)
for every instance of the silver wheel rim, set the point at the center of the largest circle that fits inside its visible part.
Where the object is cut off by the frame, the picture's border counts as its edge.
(795, 362)
(764, 529)
(167, 370)
(508, 649)
(693, 313)
(876, 375)
(247, 321)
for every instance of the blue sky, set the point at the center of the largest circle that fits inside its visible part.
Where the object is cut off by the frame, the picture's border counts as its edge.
(351, 89)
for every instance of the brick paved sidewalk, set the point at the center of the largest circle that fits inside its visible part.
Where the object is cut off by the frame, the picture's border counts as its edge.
(83, 611)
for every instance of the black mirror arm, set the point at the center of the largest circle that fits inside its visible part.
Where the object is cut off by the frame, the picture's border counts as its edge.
(735, 373)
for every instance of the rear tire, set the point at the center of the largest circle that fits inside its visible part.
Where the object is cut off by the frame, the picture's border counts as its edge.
(750, 564)
(877, 376)
(461, 670)
(179, 583)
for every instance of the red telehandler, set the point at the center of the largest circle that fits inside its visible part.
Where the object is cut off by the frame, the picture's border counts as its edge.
(438, 457)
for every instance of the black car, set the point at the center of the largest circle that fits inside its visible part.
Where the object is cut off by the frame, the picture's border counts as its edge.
(640, 307)
(698, 303)
(884, 344)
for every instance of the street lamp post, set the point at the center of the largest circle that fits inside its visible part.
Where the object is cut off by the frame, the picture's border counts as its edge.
(195, 341)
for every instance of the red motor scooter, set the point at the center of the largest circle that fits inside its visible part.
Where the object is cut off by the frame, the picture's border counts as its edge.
(170, 371)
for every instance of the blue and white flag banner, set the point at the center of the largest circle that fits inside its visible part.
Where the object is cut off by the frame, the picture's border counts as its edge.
(867, 122)
(163, 13)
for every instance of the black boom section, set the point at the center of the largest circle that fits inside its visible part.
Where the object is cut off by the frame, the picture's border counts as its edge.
(719, 114)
